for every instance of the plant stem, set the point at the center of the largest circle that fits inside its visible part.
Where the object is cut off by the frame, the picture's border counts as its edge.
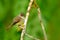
(42, 25)
(26, 19)
(31, 37)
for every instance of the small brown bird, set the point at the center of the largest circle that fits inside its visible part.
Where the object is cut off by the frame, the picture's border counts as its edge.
(18, 19)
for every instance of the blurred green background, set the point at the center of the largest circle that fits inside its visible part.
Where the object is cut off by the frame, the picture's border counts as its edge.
(50, 10)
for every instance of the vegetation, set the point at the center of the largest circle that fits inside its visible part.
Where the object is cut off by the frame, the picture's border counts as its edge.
(50, 14)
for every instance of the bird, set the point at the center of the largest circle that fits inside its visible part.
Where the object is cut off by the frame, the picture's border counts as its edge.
(18, 20)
